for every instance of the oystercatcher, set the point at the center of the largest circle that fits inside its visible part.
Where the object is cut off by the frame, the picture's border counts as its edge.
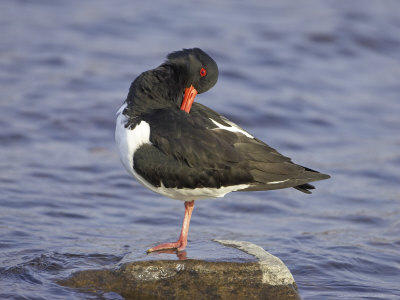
(185, 150)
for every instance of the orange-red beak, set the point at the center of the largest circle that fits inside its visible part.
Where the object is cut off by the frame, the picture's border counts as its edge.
(188, 99)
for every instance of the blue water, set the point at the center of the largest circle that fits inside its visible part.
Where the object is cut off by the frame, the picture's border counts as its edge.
(317, 80)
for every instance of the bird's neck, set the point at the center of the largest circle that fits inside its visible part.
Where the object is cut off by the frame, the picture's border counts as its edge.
(159, 88)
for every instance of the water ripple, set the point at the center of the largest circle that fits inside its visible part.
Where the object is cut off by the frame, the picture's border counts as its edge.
(316, 80)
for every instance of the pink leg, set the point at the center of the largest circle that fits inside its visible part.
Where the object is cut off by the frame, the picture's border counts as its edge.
(180, 245)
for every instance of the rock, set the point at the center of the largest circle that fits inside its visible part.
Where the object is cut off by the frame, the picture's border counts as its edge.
(268, 278)
(274, 271)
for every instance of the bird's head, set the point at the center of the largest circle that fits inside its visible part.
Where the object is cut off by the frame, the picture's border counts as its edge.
(198, 72)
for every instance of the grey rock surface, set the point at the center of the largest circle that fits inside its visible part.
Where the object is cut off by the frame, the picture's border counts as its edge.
(268, 278)
(274, 271)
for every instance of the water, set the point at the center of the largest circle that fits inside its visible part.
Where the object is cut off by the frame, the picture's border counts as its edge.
(318, 80)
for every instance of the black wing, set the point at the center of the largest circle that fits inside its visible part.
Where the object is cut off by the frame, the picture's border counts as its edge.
(191, 151)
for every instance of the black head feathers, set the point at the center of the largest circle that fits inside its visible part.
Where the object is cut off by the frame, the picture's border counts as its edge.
(197, 68)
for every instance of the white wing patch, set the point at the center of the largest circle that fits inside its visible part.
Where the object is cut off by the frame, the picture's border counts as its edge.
(276, 182)
(232, 128)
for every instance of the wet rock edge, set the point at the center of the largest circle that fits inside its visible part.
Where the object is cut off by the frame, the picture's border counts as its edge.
(268, 278)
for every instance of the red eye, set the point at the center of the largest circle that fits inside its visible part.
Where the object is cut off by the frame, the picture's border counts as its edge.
(203, 72)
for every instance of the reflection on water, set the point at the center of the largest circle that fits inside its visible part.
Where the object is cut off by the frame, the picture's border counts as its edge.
(316, 80)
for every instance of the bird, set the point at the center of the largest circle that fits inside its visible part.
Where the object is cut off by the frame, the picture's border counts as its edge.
(186, 151)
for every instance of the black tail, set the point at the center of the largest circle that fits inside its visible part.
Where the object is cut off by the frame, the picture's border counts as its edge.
(305, 188)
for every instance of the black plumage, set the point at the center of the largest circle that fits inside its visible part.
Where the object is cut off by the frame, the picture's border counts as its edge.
(188, 150)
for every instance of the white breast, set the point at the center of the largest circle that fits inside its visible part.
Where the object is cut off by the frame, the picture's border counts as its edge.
(129, 140)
